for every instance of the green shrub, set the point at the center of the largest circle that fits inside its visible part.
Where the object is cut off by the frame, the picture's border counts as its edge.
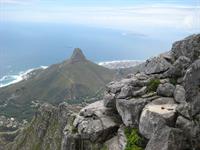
(153, 85)
(134, 141)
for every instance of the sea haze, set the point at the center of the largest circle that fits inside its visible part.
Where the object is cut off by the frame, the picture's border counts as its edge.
(30, 45)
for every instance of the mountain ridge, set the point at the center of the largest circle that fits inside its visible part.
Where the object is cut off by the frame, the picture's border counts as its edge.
(74, 79)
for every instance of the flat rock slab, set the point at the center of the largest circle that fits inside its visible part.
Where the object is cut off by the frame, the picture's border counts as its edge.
(156, 115)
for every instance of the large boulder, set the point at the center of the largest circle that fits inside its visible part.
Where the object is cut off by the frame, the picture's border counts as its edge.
(97, 122)
(166, 138)
(166, 89)
(157, 114)
(189, 47)
(149, 121)
(130, 110)
(157, 65)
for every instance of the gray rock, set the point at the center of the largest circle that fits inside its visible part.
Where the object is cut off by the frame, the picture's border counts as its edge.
(166, 89)
(109, 100)
(78, 142)
(118, 142)
(114, 87)
(151, 94)
(142, 76)
(130, 110)
(126, 91)
(191, 131)
(189, 47)
(166, 138)
(167, 56)
(163, 101)
(180, 65)
(156, 114)
(149, 121)
(97, 122)
(179, 94)
(157, 65)
(184, 109)
(112, 144)
(192, 82)
(121, 138)
(183, 123)
(140, 92)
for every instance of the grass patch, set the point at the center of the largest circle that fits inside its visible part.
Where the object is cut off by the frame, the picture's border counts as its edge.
(153, 85)
(134, 141)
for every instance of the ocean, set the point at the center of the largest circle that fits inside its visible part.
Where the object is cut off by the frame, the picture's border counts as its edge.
(24, 46)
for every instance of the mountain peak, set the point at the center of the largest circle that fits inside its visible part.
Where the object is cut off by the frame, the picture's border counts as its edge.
(77, 55)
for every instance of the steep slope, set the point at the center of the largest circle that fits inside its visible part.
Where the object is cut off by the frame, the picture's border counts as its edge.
(74, 79)
(155, 109)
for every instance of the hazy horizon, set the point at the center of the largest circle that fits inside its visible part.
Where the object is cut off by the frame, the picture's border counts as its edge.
(36, 32)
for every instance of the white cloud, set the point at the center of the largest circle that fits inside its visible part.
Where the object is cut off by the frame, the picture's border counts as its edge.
(114, 17)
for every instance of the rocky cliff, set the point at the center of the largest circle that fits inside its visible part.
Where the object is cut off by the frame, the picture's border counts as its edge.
(155, 109)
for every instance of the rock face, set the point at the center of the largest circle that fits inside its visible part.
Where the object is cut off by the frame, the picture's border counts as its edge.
(179, 94)
(96, 122)
(40, 129)
(157, 65)
(166, 138)
(130, 110)
(188, 47)
(166, 89)
(161, 104)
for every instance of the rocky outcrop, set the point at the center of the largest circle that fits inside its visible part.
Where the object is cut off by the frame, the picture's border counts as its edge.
(45, 130)
(96, 122)
(161, 106)
(188, 47)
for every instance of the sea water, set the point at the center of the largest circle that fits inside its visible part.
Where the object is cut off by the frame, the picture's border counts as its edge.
(31, 45)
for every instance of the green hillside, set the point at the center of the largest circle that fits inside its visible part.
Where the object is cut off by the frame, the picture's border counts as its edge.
(74, 79)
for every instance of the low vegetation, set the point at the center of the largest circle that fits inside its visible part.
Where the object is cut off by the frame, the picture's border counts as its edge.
(153, 85)
(134, 141)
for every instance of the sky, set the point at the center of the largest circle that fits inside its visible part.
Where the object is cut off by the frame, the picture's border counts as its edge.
(129, 15)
